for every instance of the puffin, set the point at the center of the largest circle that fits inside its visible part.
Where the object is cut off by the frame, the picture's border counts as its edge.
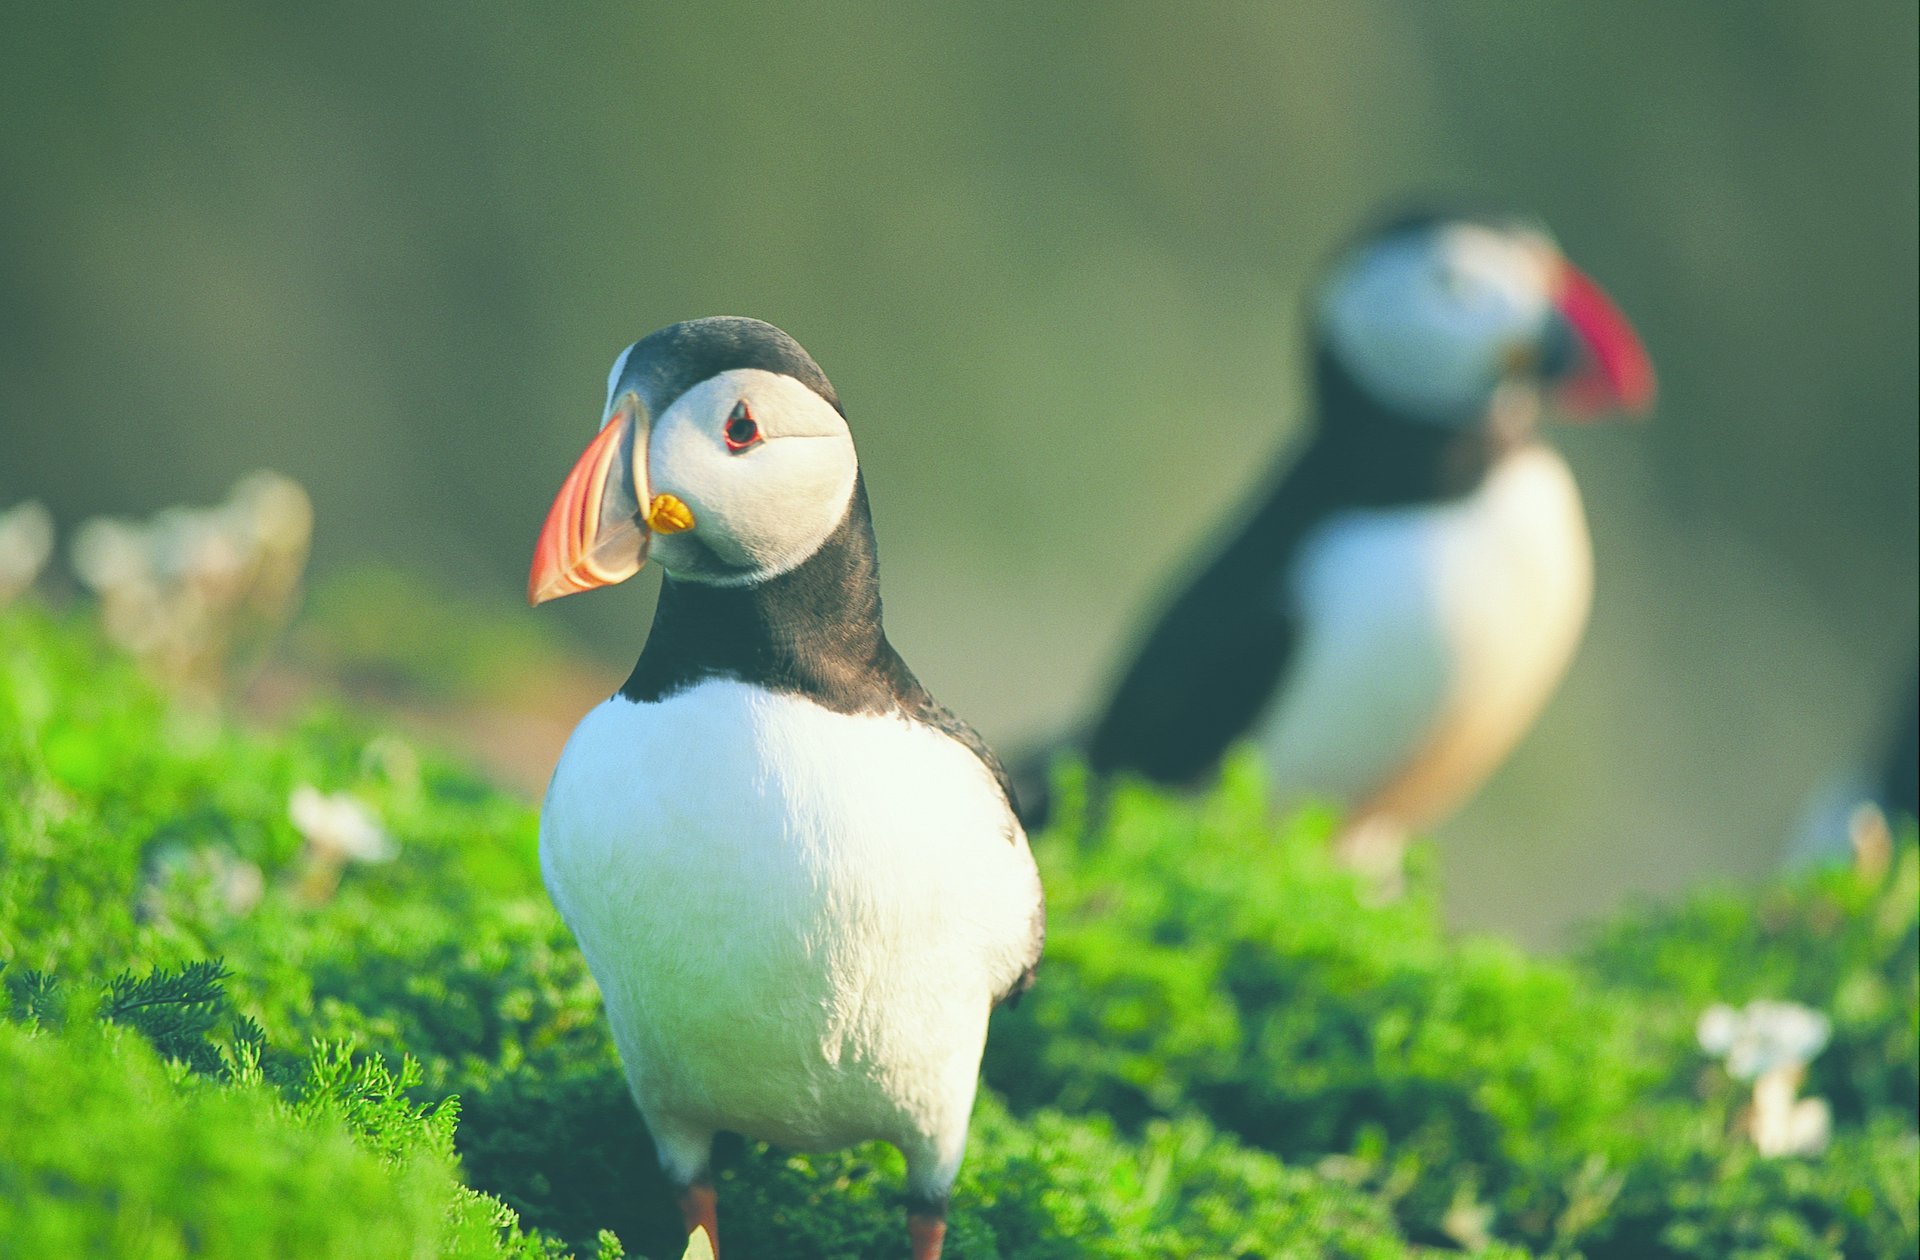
(1899, 788)
(799, 881)
(1852, 816)
(1391, 615)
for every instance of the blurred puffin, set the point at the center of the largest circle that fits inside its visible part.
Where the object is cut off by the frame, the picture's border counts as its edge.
(1852, 816)
(798, 880)
(1899, 791)
(1406, 596)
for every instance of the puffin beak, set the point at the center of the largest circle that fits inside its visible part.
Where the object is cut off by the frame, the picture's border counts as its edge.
(602, 521)
(1615, 373)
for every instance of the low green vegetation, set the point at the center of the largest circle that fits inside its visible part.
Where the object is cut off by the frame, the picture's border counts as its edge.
(223, 1040)
(1202, 965)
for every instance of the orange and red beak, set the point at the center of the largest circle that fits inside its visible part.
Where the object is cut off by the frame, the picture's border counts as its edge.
(602, 522)
(1614, 372)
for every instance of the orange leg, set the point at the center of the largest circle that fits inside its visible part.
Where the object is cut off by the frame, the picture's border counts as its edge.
(928, 1232)
(700, 1209)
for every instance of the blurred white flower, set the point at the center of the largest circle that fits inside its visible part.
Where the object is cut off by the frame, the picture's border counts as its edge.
(1468, 1221)
(273, 510)
(339, 827)
(338, 830)
(1763, 1036)
(198, 880)
(110, 553)
(194, 591)
(1771, 1043)
(26, 541)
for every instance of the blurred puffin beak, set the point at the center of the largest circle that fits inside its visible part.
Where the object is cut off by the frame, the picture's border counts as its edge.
(1615, 373)
(602, 521)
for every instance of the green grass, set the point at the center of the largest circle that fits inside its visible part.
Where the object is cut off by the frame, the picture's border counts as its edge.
(1228, 1054)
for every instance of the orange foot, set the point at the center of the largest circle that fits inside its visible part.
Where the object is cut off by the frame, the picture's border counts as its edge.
(700, 1209)
(928, 1234)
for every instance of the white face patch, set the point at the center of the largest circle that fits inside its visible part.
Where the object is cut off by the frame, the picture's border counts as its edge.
(613, 382)
(1429, 322)
(760, 510)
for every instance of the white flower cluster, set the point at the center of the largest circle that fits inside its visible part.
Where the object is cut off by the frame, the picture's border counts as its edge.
(1770, 1044)
(191, 589)
(202, 880)
(339, 829)
(196, 881)
(26, 543)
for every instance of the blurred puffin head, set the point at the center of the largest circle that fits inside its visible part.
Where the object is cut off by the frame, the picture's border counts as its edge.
(1457, 321)
(723, 455)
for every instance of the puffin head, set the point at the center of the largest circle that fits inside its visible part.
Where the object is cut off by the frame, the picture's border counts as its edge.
(722, 454)
(1455, 320)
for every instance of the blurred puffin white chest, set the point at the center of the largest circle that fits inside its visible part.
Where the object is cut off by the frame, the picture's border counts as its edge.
(798, 918)
(1430, 637)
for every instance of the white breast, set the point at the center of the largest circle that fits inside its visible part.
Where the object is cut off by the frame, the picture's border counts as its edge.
(1430, 639)
(799, 919)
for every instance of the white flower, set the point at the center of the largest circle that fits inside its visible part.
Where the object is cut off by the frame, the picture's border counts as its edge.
(200, 593)
(1770, 1044)
(109, 554)
(338, 827)
(190, 545)
(273, 511)
(26, 541)
(1764, 1036)
(196, 878)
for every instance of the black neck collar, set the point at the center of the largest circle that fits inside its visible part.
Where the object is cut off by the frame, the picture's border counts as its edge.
(813, 631)
(1381, 458)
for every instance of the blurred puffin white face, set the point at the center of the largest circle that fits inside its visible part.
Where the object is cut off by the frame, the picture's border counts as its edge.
(764, 465)
(1434, 322)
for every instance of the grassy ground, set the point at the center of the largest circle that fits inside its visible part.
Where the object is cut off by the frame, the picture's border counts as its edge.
(215, 1049)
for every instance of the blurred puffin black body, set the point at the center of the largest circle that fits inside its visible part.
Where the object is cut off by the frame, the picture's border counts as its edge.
(1900, 770)
(797, 879)
(1847, 818)
(1410, 587)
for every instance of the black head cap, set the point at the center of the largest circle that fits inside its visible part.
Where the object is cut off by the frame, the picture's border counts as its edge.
(666, 364)
(1426, 214)
(1411, 215)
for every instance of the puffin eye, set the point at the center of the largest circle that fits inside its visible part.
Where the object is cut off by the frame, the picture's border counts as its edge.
(742, 430)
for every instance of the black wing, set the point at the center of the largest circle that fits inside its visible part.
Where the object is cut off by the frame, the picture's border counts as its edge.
(1219, 653)
(1898, 788)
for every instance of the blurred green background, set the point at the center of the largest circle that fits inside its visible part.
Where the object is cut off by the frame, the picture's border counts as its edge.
(1053, 257)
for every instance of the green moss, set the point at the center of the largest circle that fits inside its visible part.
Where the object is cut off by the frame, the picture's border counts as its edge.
(104, 1152)
(1201, 958)
(1230, 1052)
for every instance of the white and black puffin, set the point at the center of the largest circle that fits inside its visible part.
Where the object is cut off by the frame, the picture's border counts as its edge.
(1409, 591)
(798, 880)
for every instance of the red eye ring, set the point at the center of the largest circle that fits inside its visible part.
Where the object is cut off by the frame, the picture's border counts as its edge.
(742, 429)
